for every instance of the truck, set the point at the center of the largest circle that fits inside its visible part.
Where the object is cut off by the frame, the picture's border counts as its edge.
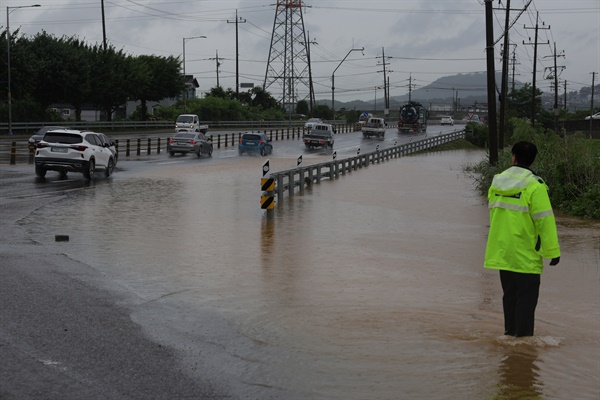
(363, 118)
(189, 123)
(412, 117)
(321, 135)
(374, 127)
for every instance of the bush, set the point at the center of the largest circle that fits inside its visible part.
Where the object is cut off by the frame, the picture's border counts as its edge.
(570, 166)
(477, 134)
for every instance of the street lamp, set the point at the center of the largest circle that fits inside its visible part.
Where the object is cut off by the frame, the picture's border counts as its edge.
(333, 80)
(185, 92)
(8, 37)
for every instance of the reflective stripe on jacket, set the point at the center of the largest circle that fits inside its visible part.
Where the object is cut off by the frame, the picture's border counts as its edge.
(520, 213)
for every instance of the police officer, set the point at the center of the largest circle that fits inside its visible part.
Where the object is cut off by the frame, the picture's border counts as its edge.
(522, 233)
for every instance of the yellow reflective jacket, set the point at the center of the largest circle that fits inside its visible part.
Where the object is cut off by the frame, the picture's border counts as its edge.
(522, 226)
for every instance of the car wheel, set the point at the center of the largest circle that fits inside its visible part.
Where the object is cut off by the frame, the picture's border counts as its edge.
(199, 152)
(40, 171)
(271, 150)
(109, 168)
(172, 153)
(263, 152)
(89, 173)
(210, 151)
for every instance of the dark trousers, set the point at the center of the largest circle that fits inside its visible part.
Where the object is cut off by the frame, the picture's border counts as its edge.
(520, 298)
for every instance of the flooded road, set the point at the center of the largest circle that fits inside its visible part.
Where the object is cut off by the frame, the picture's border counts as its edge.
(367, 287)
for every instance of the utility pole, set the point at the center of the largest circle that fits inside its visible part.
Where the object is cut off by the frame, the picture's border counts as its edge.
(103, 25)
(386, 94)
(491, 83)
(237, 52)
(555, 55)
(592, 102)
(504, 84)
(565, 100)
(410, 88)
(535, 45)
(514, 64)
(217, 60)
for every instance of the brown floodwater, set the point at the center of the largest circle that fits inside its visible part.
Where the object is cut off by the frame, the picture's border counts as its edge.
(367, 287)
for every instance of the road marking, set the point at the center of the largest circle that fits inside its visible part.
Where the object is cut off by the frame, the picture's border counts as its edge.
(167, 162)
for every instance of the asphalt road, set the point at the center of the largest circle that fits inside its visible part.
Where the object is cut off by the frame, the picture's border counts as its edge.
(66, 333)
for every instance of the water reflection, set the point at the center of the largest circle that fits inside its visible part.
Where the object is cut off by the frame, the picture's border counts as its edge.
(519, 375)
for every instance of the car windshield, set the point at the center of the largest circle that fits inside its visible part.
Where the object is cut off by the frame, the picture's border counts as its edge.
(185, 119)
(251, 137)
(62, 137)
(314, 120)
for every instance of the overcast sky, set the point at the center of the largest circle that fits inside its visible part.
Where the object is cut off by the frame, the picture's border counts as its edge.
(425, 39)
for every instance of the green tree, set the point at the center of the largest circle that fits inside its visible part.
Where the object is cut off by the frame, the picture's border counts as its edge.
(112, 83)
(519, 102)
(302, 107)
(322, 111)
(63, 71)
(156, 78)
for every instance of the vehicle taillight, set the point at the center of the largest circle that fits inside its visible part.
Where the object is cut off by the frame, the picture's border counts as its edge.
(260, 142)
(192, 142)
(171, 140)
(78, 147)
(240, 140)
(41, 145)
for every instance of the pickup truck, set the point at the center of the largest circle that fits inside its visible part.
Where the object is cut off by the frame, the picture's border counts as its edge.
(189, 123)
(374, 127)
(319, 135)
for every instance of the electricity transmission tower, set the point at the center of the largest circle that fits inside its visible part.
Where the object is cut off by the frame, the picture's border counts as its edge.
(288, 69)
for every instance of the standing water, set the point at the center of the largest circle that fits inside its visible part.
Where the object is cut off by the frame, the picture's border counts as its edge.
(367, 287)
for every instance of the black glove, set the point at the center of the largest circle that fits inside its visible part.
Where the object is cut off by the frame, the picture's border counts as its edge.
(555, 261)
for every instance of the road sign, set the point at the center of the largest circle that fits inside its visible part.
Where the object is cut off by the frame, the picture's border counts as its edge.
(358, 151)
(334, 154)
(267, 202)
(267, 184)
(299, 161)
(265, 168)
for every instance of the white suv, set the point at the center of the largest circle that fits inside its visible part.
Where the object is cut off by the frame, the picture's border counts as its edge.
(66, 150)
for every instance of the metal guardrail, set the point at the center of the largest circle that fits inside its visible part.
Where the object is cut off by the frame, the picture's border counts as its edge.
(19, 151)
(19, 128)
(288, 180)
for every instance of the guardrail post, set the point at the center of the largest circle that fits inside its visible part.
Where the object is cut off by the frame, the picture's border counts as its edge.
(148, 150)
(219, 141)
(139, 147)
(117, 145)
(128, 148)
(267, 200)
(291, 182)
(271, 134)
(288, 133)
(31, 153)
(13, 153)
(158, 146)
(280, 188)
(301, 180)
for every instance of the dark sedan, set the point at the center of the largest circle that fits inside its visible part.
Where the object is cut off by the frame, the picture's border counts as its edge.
(39, 135)
(189, 142)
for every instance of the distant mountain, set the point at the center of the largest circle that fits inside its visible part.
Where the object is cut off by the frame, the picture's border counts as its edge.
(469, 88)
